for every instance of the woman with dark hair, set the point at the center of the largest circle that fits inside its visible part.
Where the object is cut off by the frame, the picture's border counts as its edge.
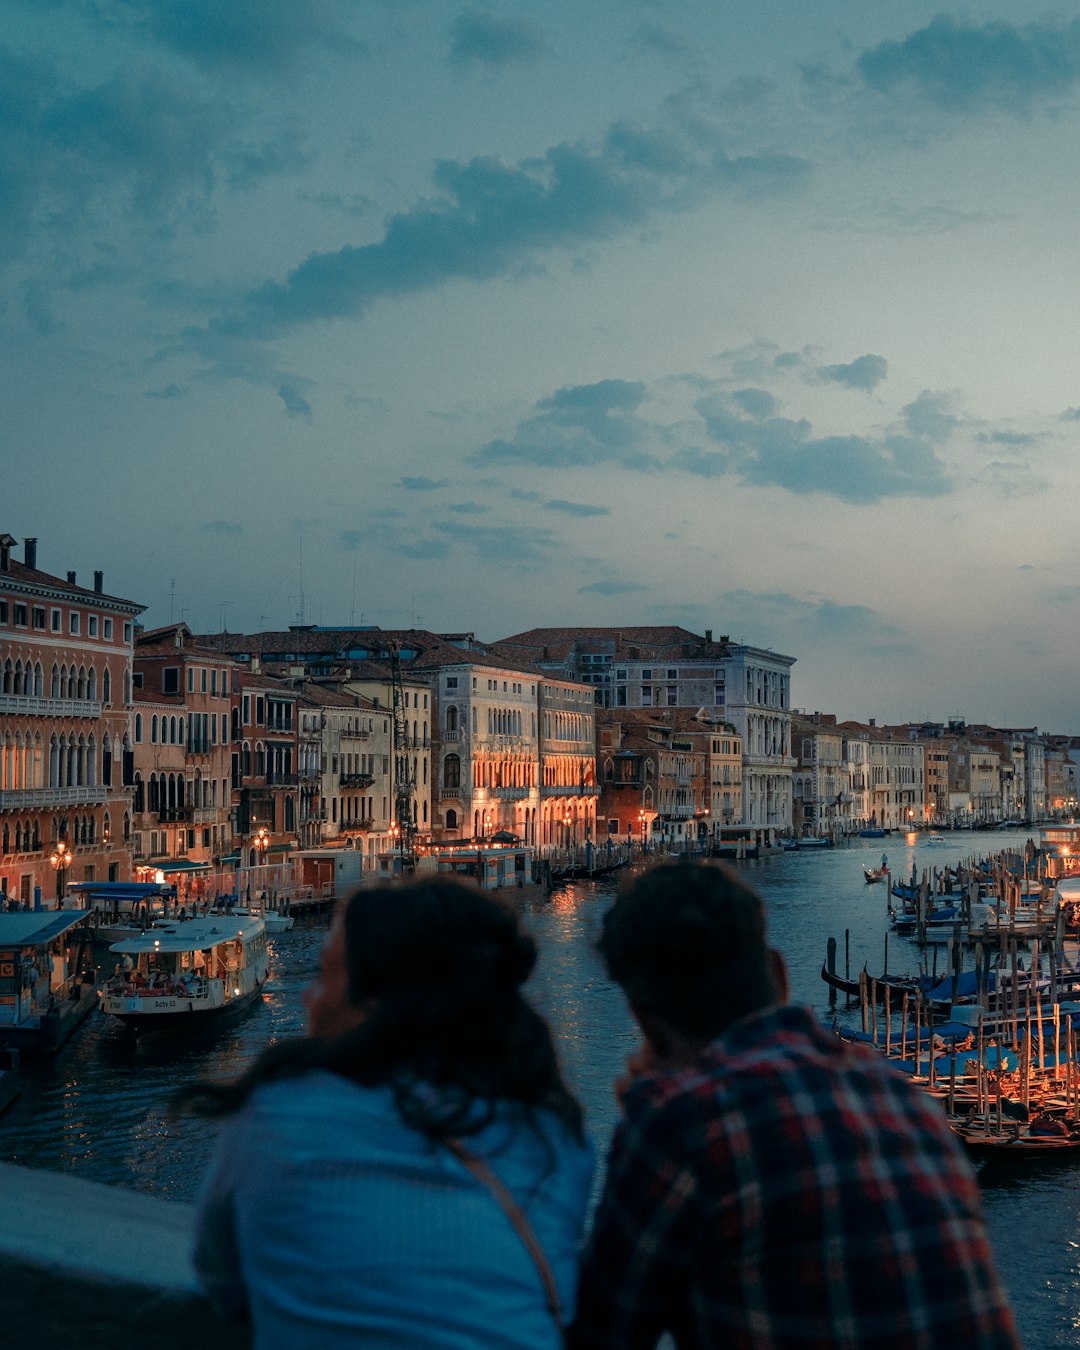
(413, 1172)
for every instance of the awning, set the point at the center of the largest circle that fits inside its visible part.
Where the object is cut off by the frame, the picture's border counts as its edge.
(171, 865)
(35, 928)
(233, 857)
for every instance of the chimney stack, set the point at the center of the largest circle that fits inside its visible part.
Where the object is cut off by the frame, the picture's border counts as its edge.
(708, 634)
(30, 552)
(99, 581)
(71, 578)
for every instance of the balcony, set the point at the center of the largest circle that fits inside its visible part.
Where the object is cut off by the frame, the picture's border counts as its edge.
(356, 780)
(449, 793)
(282, 780)
(510, 794)
(173, 814)
(33, 706)
(24, 799)
(582, 790)
(450, 735)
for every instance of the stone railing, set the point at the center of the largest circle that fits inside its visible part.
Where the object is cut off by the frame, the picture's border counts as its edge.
(87, 1265)
(33, 705)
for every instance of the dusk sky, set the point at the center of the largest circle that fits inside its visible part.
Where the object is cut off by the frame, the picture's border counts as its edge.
(758, 318)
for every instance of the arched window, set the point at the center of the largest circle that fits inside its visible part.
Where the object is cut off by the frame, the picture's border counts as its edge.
(452, 771)
(153, 729)
(451, 819)
(138, 728)
(91, 683)
(106, 686)
(55, 681)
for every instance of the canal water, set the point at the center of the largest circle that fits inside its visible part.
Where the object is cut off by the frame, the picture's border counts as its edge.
(97, 1109)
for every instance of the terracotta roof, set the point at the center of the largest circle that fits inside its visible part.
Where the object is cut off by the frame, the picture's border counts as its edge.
(35, 577)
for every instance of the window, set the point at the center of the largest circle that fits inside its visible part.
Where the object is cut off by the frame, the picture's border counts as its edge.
(127, 632)
(39, 617)
(191, 679)
(4, 611)
(92, 625)
(646, 695)
(73, 621)
(202, 680)
(673, 674)
(451, 681)
(646, 675)
(213, 684)
(170, 680)
(106, 628)
(19, 616)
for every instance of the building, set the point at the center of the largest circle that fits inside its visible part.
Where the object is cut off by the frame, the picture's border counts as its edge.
(182, 732)
(66, 756)
(670, 667)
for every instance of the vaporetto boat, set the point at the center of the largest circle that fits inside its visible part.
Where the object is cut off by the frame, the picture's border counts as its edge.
(189, 970)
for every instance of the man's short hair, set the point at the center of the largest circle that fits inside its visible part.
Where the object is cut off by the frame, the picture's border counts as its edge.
(686, 942)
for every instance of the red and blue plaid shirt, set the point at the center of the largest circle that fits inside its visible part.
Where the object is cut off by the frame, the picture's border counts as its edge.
(788, 1190)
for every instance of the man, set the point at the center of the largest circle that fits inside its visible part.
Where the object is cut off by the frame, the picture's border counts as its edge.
(769, 1186)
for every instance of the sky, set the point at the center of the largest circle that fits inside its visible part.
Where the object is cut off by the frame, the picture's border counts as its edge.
(756, 318)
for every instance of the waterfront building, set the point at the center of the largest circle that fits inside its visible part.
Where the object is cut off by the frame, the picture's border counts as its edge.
(182, 734)
(670, 667)
(66, 756)
(821, 800)
(264, 778)
(669, 779)
(567, 763)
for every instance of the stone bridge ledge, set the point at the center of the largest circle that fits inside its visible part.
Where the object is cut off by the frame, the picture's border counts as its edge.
(88, 1266)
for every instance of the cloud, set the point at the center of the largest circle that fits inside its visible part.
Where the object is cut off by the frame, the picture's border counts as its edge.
(865, 372)
(488, 220)
(611, 588)
(520, 546)
(168, 391)
(929, 416)
(223, 527)
(960, 66)
(143, 150)
(1010, 480)
(1008, 438)
(479, 38)
(578, 426)
(781, 452)
(576, 508)
(1071, 415)
(469, 509)
(757, 403)
(422, 484)
(793, 621)
(239, 34)
(296, 405)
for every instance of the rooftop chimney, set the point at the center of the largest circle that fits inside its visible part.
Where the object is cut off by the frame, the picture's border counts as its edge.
(6, 541)
(708, 634)
(30, 552)
(99, 581)
(71, 578)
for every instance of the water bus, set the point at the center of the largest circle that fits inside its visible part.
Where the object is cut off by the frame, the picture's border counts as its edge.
(187, 971)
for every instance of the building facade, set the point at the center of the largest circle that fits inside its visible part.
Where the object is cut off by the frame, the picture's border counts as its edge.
(66, 756)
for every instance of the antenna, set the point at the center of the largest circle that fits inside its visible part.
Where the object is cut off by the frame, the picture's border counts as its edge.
(222, 607)
(172, 597)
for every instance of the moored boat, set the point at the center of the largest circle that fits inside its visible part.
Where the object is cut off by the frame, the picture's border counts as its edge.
(46, 977)
(187, 971)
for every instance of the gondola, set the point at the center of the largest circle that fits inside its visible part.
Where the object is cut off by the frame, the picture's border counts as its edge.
(875, 873)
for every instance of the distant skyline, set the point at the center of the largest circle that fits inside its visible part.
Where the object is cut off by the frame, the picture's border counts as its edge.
(487, 317)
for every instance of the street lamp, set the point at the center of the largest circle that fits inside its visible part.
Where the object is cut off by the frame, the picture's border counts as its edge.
(641, 820)
(60, 858)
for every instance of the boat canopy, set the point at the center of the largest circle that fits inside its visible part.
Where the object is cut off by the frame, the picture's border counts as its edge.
(35, 928)
(190, 935)
(121, 890)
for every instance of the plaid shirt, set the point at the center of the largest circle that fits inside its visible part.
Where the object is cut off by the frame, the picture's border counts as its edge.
(788, 1190)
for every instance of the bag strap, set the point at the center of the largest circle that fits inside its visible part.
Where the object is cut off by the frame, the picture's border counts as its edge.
(513, 1211)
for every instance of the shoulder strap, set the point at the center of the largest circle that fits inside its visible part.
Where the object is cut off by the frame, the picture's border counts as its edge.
(513, 1211)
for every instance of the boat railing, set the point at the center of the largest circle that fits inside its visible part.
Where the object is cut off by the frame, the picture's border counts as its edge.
(127, 985)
